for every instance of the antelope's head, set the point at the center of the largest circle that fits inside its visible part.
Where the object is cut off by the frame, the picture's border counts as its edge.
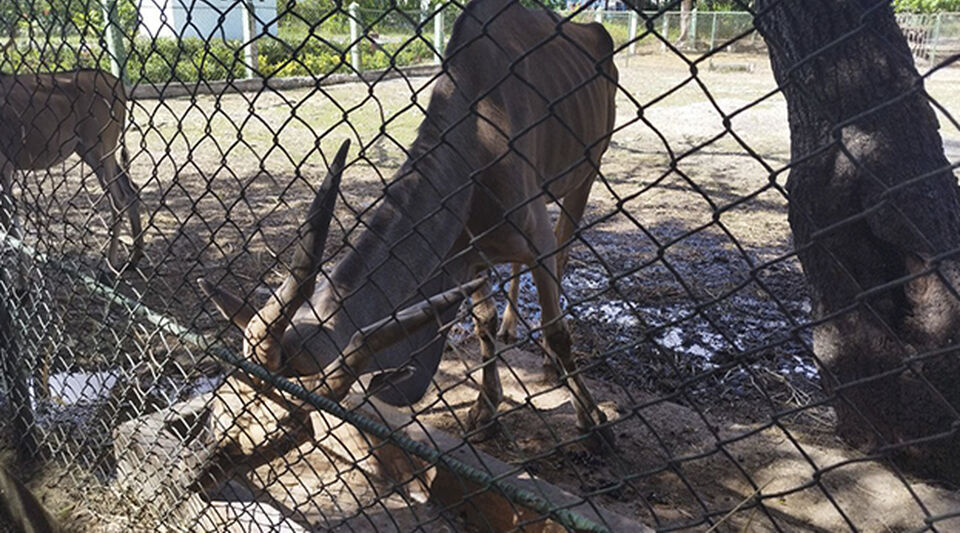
(264, 329)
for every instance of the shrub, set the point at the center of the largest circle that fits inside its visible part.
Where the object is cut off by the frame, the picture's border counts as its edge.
(164, 59)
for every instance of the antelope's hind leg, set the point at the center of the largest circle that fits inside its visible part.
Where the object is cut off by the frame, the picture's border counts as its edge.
(571, 212)
(131, 201)
(105, 166)
(590, 419)
(481, 418)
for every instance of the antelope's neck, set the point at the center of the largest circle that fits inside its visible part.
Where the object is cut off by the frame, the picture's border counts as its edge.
(406, 239)
(400, 255)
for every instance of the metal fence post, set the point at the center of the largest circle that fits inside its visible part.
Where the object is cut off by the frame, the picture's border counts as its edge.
(936, 39)
(438, 34)
(665, 31)
(713, 32)
(249, 46)
(114, 38)
(354, 10)
(17, 378)
(633, 32)
(693, 29)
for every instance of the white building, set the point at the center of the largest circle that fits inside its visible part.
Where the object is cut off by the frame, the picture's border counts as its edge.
(206, 19)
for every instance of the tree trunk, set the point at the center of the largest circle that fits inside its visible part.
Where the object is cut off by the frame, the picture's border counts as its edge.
(875, 215)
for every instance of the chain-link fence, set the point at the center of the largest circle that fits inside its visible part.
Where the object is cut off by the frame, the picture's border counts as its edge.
(694, 272)
(931, 37)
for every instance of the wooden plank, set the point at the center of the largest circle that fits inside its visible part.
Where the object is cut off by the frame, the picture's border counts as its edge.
(214, 438)
(161, 454)
(205, 441)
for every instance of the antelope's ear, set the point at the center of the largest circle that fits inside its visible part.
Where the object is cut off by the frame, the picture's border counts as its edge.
(232, 308)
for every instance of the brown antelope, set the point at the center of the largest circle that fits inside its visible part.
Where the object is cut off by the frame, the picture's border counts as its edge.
(520, 116)
(47, 118)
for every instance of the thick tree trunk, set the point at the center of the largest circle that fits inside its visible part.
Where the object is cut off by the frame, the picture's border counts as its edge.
(875, 215)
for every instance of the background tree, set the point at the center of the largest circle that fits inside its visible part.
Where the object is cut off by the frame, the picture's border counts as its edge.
(875, 216)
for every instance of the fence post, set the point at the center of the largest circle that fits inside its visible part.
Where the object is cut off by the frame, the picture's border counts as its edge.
(693, 29)
(936, 40)
(713, 32)
(354, 10)
(633, 32)
(249, 30)
(665, 32)
(438, 34)
(598, 16)
(16, 377)
(114, 38)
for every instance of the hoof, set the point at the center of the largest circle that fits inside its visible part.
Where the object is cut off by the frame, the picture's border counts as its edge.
(599, 439)
(550, 373)
(121, 268)
(507, 337)
(481, 423)
(485, 432)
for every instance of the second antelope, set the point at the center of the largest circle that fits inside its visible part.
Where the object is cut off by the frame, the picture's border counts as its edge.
(520, 117)
(47, 118)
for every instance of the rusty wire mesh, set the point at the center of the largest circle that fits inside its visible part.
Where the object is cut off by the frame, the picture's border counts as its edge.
(690, 319)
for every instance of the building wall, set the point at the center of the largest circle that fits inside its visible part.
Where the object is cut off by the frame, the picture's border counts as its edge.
(206, 19)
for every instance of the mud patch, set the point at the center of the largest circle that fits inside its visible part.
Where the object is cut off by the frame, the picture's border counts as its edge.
(700, 315)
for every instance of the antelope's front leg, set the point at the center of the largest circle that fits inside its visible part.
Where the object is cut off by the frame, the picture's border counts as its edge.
(591, 421)
(480, 419)
(106, 171)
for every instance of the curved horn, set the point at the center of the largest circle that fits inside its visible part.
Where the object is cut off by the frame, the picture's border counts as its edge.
(232, 308)
(299, 284)
(388, 331)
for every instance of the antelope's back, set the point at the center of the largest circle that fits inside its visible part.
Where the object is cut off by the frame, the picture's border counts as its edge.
(548, 84)
(45, 112)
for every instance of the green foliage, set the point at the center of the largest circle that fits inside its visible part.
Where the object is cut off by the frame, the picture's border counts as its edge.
(555, 5)
(618, 32)
(129, 16)
(311, 42)
(315, 58)
(926, 6)
(724, 5)
(316, 15)
(164, 60)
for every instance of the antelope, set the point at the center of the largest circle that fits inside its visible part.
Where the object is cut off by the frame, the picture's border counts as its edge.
(47, 118)
(520, 116)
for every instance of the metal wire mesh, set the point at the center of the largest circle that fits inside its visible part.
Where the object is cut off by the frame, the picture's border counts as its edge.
(756, 300)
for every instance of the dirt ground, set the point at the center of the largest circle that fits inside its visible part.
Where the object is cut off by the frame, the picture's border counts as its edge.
(682, 289)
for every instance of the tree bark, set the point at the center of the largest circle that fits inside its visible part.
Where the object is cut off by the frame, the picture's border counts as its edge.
(875, 216)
